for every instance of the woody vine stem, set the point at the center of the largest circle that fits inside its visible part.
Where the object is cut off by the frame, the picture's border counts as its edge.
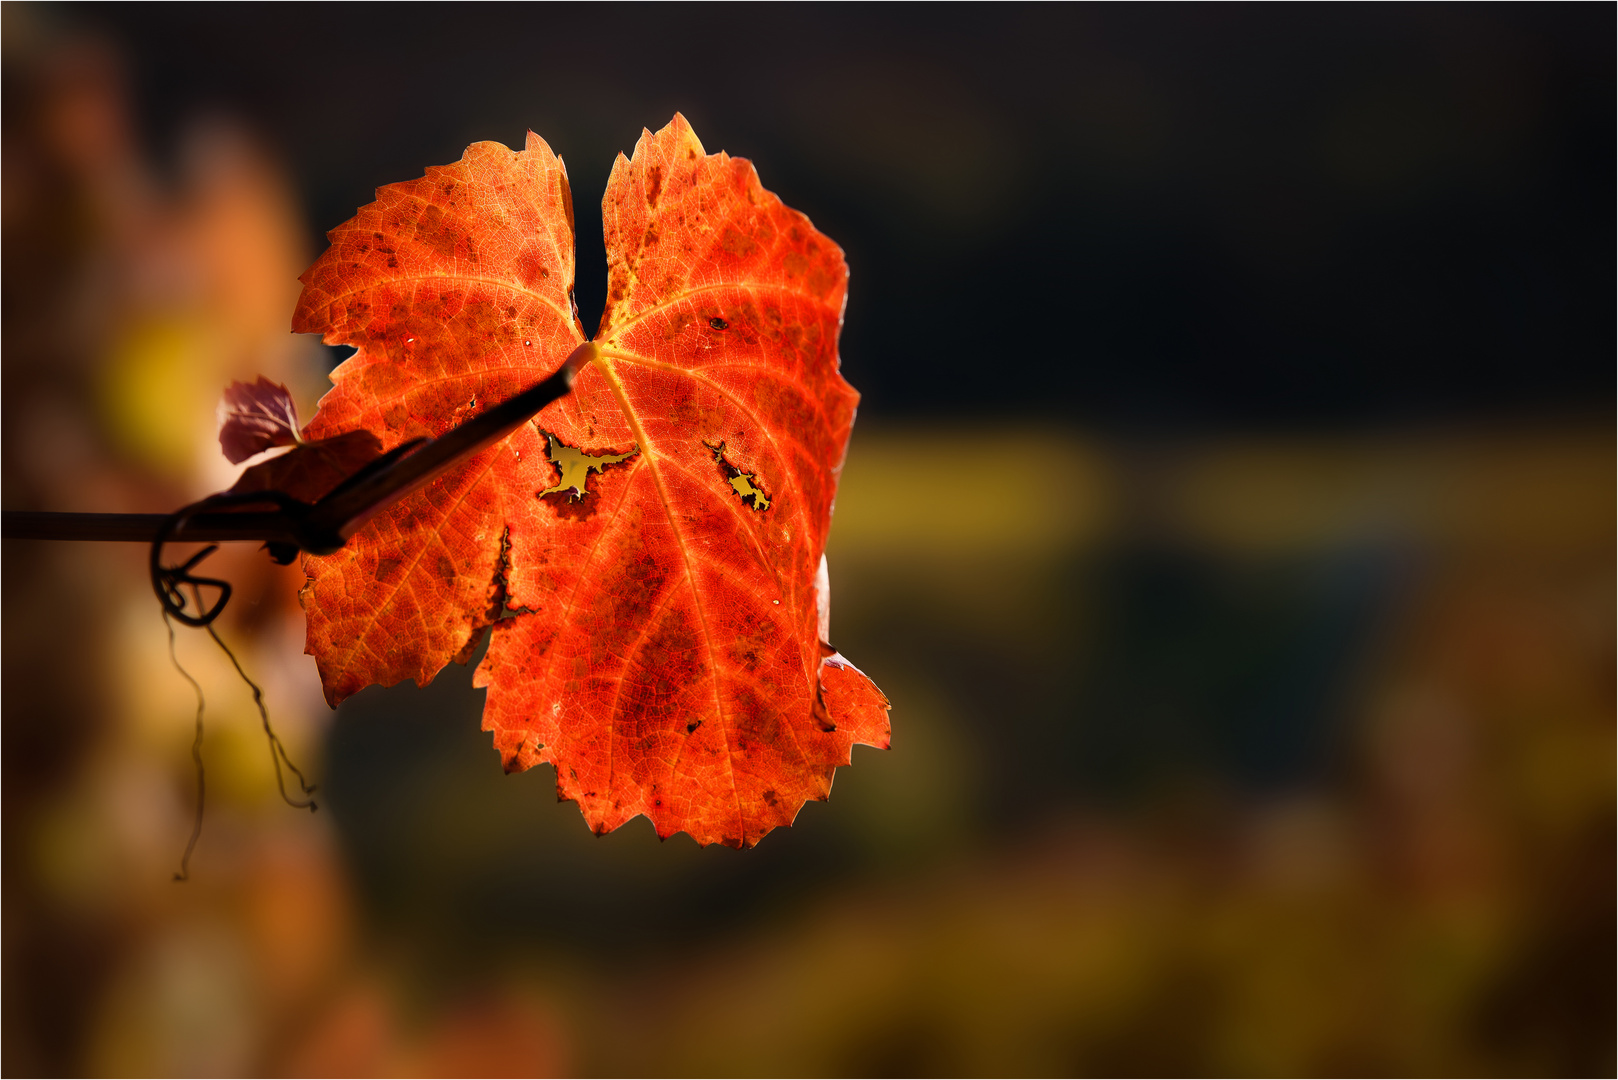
(319, 528)
(325, 525)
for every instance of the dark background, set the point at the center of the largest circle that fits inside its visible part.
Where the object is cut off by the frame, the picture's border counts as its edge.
(1229, 518)
(1209, 215)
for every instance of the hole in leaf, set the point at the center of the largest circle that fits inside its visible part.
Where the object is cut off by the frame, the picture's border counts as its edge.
(574, 467)
(740, 482)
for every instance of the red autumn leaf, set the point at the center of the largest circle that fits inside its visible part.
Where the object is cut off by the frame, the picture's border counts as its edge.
(253, 417)
(647, 548)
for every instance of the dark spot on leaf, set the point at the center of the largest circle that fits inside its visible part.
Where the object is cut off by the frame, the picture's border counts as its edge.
(569, 508)
(820, 281)
(676, 323)
(437, 233)
(718, 324)
(736, 243)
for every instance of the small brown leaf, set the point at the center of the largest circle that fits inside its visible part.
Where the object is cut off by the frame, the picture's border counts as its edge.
(253, 417)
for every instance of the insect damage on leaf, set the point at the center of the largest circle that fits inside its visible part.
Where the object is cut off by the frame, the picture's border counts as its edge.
(576, 466)
(653, 634)
(740, 482)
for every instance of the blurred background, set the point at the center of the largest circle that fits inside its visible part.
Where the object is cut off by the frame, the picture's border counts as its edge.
(1230, 519)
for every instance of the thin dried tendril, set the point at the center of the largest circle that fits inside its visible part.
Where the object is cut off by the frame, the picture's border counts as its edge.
(278, 752)
(184, 873)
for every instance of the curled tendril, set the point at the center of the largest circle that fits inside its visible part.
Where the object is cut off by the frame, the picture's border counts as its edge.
(169, 582)
(321, 528)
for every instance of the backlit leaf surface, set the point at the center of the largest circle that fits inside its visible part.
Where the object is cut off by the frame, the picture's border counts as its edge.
(649, 549)
(255, 416)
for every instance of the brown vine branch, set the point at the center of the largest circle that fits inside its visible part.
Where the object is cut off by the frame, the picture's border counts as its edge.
(323, 526)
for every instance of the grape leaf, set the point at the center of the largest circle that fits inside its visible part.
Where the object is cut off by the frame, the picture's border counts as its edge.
(259, 416)
(649, 551)
(255, 416)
